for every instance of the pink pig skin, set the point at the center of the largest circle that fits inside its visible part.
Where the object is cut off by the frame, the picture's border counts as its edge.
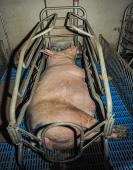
(61, 96)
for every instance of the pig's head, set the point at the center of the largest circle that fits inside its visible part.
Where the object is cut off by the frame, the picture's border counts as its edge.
(67, 56)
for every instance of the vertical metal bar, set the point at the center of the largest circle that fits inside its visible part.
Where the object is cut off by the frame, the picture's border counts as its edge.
(45, 3)
(75, 20)
(5, 32)
(3, 52)
(20, 156)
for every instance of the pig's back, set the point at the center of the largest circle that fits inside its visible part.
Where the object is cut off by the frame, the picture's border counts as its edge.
(65, 83)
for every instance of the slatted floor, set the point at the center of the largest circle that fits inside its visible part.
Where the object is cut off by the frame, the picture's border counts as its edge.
(121, 151)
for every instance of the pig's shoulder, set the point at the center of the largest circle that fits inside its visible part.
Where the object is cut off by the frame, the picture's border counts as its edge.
(63, 70)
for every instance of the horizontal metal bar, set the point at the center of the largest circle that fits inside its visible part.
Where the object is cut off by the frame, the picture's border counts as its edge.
(61, 27)
(84, 14)
(60, 18)
(59, 35)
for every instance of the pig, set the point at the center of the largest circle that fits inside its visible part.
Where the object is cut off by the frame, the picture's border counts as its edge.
(61, 96)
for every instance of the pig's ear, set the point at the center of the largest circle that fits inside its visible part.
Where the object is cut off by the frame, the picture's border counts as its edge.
(47, 52)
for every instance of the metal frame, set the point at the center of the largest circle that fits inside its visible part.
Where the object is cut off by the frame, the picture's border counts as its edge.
(121, 72)
(128, 14)
(89, 41)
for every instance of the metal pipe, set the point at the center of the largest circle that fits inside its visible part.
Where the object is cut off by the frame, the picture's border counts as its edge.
(95, 69)
(21, 92)
(94, 94)
(32, 51)
(101, 59)
(61, 35)
(23, 50)
(84, 14)
(45, 4)
(5, 31)
(75, 20)
(50, 27)
(123, 26)
(21, 115)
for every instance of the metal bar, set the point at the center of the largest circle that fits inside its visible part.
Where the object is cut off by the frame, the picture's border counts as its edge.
(101, 59)
(32, 147)
(61, 35)
(91, 84)
(26, 65)
(123, 26)
(20, 156)
(29, 134)
(88, 144)
(21, 92)
(75, 21)
(50, 27)
(65, 124)
(61, 27)
(45, 3)
(131, 61)
(21, 115)
(61, 8)
(5, 31)
(25, 46)
(61, 18)
(95, 69)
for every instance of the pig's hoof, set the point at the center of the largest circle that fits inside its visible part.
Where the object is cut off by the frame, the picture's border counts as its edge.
(119, 132)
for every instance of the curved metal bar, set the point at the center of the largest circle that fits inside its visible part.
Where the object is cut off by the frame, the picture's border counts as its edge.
(23, 50)
(61, 8)
(94, 94)
(95, 69)
(65, 124)
(21, 92)
(123, 25)
(82, 138)
(53, 18)
(71, 27)
(21, 115)
(33, 49)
